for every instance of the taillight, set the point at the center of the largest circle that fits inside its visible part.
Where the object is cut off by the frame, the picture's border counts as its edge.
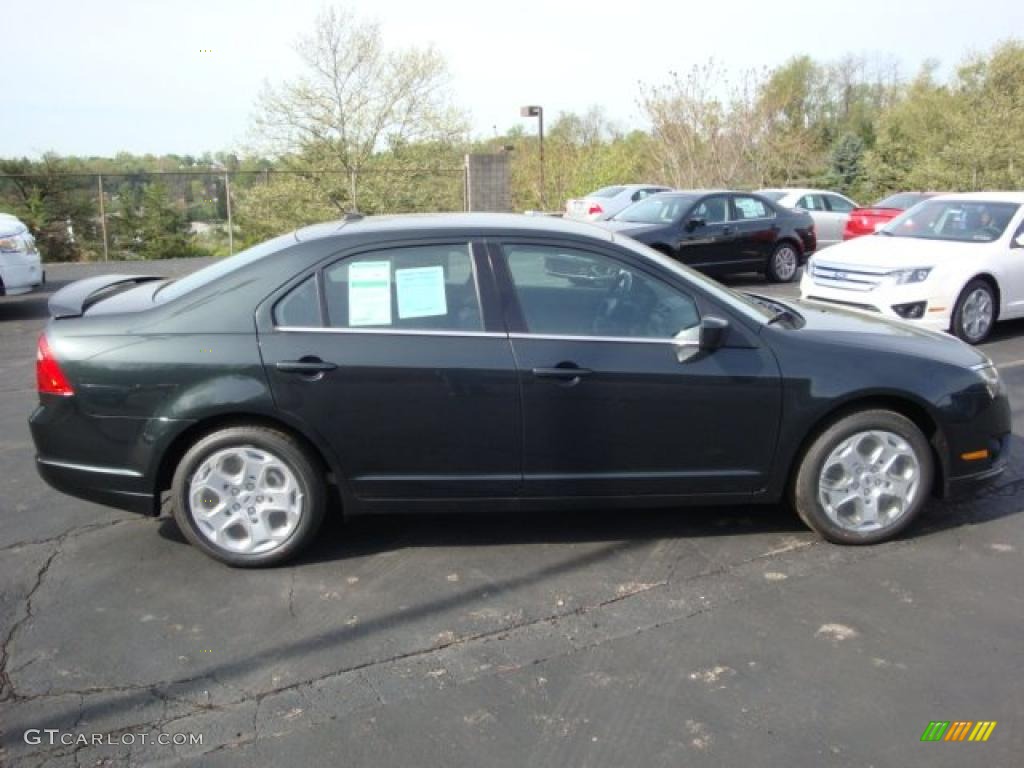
(50, 379)
(594, 210)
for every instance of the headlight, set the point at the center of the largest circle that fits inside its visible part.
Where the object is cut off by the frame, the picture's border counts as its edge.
(10, 244)
(990, 375)
(916, 275)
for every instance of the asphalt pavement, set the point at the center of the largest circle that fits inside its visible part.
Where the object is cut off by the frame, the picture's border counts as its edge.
(719, 637)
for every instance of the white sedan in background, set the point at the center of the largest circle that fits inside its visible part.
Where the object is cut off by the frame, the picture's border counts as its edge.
(952, 263)
(830, 210)
(607, 201)
(21, 269)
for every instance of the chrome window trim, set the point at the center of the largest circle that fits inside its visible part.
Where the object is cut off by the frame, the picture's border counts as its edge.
(624, 339)
(389, 331)
(483, 334)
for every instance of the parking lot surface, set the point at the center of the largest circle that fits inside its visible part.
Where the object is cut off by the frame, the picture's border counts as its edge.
(680, 637)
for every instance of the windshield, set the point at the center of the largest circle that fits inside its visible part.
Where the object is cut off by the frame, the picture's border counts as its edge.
(180, 287)
(745, 305)
(606, 192)
(657, 209)
(902, 201)
(772, 194)
(969, 221)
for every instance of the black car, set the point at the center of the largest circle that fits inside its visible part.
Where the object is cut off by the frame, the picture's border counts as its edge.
(441, 363)
(722, 232)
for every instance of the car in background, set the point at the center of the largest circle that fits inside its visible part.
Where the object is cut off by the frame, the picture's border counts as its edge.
(401, 364)
(721, 232)
(607, 201)
(865, 221)
(951, 263)
(21, 267)
(830, 210)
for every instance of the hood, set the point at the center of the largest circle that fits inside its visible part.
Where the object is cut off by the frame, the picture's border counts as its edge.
(862, 329)
(10, 225)
(886, 252)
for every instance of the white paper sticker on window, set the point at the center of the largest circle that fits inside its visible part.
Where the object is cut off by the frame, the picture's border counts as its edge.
(369, 293)
(421, 292)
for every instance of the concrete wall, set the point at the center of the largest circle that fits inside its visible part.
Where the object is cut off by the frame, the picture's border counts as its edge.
(488, 182)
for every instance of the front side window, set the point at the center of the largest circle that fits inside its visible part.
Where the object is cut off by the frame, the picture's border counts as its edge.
(430, 287)
(569, 292)
(959, 220)
(810, 203)
(751, 208)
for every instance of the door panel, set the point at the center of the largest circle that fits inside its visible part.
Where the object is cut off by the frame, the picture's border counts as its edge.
(608, 409)
(642, 423)
(712, 243)
(400, 375)
(408, 416)
(757, 230)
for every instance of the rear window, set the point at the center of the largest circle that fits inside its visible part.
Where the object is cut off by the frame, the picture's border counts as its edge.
(219, 269)
(902, 201)
(606, 192)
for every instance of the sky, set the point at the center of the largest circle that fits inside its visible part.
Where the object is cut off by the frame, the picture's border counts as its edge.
(98, 77)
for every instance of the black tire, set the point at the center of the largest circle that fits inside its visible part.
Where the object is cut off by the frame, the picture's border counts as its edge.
(959, 325)
(805, 497)
(784, 265)
(305, 467)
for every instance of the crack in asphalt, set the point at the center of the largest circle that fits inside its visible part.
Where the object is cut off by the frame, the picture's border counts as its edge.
(193, 708)
(7, 691)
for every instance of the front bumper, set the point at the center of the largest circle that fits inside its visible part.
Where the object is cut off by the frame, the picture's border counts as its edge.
(938, 310)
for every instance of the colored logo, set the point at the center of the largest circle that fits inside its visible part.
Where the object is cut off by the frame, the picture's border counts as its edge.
(958, 730)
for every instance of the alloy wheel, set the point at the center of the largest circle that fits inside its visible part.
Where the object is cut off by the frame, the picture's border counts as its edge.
(869, 481)
(785, 263)
(245, 500)
(977, 314)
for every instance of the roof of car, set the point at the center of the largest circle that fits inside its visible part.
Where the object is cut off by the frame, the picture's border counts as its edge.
(987, 197)
(800, 191)
(453, 221)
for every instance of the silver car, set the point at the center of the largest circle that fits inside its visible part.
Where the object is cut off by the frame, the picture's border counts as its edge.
(21, 268)
(830, 210)
(607, 201)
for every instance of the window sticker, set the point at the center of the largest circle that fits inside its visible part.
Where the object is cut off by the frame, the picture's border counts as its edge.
(421, 292)
(369, 293)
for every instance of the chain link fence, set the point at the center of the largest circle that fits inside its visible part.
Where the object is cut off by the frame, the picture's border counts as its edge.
(169, 214)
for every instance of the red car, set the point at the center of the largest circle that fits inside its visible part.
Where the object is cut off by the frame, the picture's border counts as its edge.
(864, 221)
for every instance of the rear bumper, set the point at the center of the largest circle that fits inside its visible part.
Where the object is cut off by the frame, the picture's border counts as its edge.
(111, 486)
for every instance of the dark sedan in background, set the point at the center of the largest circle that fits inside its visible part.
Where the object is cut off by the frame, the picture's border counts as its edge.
(721, 232)
(448, 362)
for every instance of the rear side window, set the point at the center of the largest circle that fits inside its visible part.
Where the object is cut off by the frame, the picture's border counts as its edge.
(838, 204)
(750, 208)
(811, 203)
(300, 308)
(429, 287)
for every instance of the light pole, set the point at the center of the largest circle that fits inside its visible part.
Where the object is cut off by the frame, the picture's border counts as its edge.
(538, 112)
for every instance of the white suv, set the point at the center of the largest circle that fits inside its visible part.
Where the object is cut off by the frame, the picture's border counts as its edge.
(954, 262)
(21, 269)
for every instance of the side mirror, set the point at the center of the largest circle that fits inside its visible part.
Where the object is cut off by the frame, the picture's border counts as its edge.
(713, 331)
(706, 337)
(1018, 241)
(693, 224)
